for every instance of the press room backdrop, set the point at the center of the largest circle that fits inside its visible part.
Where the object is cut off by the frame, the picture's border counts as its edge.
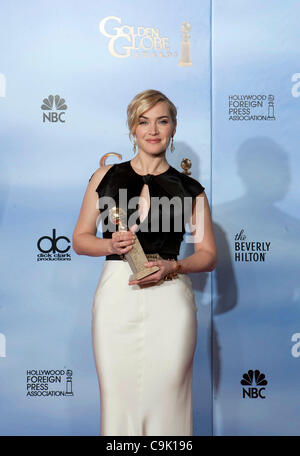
(67, 73)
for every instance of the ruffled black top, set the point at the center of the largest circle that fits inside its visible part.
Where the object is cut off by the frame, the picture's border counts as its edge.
(171, 197)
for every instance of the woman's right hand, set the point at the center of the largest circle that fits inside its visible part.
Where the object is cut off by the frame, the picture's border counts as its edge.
(122, 242)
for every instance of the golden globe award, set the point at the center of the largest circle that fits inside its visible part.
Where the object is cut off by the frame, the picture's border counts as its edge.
(136, 256)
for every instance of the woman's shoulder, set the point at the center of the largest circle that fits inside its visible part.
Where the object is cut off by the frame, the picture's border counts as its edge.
(104, 169)
(98, 175)
(187, 183)
(107, 178)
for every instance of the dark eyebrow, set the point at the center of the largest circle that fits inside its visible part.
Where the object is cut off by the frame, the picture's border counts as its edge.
(161, 117)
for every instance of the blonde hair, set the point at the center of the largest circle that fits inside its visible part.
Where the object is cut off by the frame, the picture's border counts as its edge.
(142, 102)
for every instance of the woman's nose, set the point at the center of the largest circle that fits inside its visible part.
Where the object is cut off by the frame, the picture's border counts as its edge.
(153, 129)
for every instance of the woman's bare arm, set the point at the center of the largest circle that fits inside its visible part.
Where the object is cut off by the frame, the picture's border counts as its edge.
(85, 240)
(205, 257)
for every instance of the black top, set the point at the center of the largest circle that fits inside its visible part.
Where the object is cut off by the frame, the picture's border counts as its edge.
(171, 197)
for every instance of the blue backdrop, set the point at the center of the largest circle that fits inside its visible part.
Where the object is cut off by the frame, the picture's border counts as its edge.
(255, 167)
(67, 73)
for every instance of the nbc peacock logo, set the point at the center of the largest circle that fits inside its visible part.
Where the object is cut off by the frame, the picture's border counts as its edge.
(53, 104)
(249, 379)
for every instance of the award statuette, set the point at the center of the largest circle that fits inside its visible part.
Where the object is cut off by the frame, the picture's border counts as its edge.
(186, 164)
(136, 256)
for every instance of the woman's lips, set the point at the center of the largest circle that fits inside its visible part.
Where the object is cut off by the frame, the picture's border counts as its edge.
(153, 140)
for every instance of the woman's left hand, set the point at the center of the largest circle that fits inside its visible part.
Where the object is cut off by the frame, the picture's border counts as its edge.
(165, 267)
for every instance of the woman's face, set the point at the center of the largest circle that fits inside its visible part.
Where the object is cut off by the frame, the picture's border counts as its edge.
(154, 129)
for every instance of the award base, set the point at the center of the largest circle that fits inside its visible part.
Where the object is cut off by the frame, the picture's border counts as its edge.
(142, 274)
(137, 259)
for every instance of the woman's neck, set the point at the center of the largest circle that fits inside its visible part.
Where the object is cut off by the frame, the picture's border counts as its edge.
(146, 164)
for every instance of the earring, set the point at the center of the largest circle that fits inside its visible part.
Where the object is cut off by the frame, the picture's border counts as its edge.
(134, 145)
(172, 148)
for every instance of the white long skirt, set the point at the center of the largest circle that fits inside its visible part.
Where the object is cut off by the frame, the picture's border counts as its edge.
(144, 341)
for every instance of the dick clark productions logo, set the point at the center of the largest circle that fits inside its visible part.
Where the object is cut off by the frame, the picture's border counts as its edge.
(51, 250)
(254, 391)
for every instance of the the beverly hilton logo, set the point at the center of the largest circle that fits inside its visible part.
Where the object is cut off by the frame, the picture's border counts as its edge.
(53, 104)
(139, 41)
(250, 251)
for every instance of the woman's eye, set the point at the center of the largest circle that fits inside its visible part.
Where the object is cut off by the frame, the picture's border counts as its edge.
(144, 122)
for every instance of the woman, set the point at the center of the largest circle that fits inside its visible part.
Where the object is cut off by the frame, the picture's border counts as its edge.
(144, 331)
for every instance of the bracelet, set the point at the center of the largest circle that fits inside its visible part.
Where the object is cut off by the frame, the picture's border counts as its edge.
(174, 274)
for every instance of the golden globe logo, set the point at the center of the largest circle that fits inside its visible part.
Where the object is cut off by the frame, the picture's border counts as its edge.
(127, 39)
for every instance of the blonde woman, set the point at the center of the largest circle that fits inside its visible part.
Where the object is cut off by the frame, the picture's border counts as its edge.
(144, 331)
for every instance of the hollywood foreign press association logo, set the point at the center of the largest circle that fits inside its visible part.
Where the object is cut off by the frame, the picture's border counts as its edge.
(249, 379)
(49, 383)
(53, 104)
(251, 107)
